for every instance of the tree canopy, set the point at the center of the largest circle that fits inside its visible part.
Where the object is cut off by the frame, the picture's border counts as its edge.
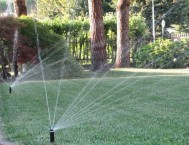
(170, 10)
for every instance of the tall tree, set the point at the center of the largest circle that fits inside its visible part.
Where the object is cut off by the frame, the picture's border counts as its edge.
(123, 45)
(3, 60)
(20, 7)
(98, 44)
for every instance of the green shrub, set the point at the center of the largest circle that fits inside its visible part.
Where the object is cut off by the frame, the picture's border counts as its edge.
(51, 46)
(76, 27)
(57, 61)
(46, 37)
(137, 27)
(3, 6)
(68, 28)
(163, 54)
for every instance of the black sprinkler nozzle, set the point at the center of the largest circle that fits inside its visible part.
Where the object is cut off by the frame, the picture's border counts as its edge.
(51, 136)
(10, 90)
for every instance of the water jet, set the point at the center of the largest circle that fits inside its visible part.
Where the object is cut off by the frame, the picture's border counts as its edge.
(51, 136)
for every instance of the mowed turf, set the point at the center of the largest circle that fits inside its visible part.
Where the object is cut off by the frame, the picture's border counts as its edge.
(123, 106)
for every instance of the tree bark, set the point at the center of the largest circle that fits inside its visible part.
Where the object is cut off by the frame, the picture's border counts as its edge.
(98, 44)
(123, 45)
(3, 62)
(20, 7)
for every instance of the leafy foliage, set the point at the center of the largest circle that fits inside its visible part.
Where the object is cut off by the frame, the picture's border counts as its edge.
(108, 6)
(2, 5)
(66, 8)
(8, 26)
(138, 27)
(139, 34)
(164, 54)
(65, 26)
(46, 37)
(75, 28)
(61, 8)
(28, 45)
(169, 10)
(53, 47)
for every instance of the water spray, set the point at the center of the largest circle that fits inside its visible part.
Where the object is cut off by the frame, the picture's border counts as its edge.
(51, 136)
(10, 90)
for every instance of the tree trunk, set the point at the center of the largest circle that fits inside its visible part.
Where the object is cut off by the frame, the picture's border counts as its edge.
(20, 7)
(123, 45)
(3, 62)
(98, 44)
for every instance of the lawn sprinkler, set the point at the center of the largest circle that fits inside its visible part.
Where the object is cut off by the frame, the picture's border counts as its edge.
(10, 90)
(51, 136)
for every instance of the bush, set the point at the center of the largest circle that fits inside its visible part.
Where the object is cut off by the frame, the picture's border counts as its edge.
(163, 54)
(51, 46)
(81, 25)
(137, 27)
(57, 61)
(3, 6)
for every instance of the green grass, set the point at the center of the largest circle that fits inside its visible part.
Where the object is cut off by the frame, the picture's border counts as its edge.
(129, 106)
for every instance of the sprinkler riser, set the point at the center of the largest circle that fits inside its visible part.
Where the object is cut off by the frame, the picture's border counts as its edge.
(10, 90)
(51, 136)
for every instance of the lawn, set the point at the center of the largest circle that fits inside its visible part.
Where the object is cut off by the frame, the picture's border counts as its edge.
(123, 106)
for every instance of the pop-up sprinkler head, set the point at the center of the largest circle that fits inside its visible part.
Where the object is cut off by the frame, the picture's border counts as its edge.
(10, 90)
(51, 136)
